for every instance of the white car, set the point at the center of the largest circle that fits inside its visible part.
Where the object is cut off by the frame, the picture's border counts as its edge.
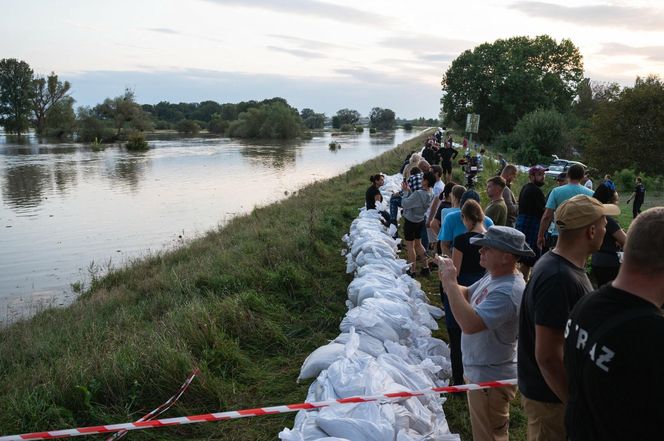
(559, 166)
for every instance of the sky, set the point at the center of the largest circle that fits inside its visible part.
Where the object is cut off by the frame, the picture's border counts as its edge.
(325, 55)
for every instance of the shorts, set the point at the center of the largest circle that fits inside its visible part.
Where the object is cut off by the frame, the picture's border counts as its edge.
(412, 230)
(447, 166)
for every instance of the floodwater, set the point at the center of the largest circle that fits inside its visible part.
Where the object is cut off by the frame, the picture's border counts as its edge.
(68, 211)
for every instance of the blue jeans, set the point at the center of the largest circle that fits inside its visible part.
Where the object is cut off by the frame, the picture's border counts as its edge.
(395, 203)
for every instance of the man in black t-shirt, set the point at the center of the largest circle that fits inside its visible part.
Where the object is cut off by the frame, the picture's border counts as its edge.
(447, 154)
(614, 356)
(558, 281)
(639, 195)
(531, 208)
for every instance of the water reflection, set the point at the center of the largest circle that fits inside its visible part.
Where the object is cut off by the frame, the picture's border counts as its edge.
(130, 171)
(63, 206)
(65, 175)
(272, 156)
(24, 186)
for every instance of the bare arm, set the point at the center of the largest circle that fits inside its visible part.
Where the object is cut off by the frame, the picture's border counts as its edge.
(620, 237)
(547, 217)
(549, 343)
(465, 315)
(432, 211)
(457, 258)
(445, 247)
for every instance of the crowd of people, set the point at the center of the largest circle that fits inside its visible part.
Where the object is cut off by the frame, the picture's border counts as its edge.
(514, 275)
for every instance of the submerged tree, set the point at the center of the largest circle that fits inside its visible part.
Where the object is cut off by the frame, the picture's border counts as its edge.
(15, 95)
(382, 119)
(47, 93)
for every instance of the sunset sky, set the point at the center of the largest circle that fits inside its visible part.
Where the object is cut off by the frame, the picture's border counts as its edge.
(325, 55)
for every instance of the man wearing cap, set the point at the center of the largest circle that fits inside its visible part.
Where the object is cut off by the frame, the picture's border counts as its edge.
(614, 356)
(531, 208)
(509, 175)
(559, 195)
(497, 209)
(558, 281)
(487, 313)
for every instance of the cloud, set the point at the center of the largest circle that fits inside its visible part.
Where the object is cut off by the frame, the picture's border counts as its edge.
(360, 89)
(308, 43)
(165, 31)
(633, 18)
(302, 53)
(313, 8)
(652, 53)
(427, 44)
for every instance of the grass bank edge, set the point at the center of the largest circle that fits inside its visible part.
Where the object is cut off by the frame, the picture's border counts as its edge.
(245, 303)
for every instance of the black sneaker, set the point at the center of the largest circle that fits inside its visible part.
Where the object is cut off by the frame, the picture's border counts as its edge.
(425, 272)
(410, 273)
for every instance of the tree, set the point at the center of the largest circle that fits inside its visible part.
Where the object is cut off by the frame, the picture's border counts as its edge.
(15, 95)
(382, 119)
(537, 136)
(60, 119)
(188, 127)
(348, 116)
(217, 125)
(628, 132)
(312, 120)
(504, 80)
(124, 114)
(47, 92)
(272, 119)
(590, 94)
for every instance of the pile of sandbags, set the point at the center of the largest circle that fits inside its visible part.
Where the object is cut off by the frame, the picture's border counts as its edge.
(385, 346)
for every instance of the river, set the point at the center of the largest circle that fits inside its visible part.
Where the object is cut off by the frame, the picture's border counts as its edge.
(68, 211)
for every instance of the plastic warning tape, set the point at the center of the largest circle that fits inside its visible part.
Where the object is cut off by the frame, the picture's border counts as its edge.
(221, 416)
(161, 409)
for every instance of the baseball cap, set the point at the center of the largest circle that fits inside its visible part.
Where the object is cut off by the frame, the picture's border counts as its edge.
(536, 169)
(581, 211)
(561, 177)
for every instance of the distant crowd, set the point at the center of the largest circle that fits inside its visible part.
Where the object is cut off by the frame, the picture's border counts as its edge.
(590, 362)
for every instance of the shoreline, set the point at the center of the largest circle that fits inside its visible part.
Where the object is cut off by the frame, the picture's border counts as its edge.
(245, 304)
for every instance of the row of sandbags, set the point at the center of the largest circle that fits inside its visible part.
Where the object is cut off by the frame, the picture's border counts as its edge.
(385, 346)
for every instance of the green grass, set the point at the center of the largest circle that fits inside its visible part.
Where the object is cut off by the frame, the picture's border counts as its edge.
(245, 304)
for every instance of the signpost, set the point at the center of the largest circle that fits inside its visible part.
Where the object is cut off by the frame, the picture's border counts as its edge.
(472, 124)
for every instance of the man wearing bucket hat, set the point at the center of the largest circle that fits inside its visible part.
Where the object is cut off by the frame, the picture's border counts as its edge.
(488, 313)
(558, 281)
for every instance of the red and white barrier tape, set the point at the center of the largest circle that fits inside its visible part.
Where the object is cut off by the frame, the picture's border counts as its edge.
(209, 417)
(161, 409)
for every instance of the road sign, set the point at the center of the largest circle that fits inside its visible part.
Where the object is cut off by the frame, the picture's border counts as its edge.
(472, 122)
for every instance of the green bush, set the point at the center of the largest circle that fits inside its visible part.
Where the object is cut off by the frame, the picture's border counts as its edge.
(188, 127)
(360, 129)
(347, 128)
(408, 127)
(275, 120)
(536, 137)
(136, 142)
(372, 130)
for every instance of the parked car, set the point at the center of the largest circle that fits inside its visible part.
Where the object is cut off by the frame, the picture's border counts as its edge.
(560, 165)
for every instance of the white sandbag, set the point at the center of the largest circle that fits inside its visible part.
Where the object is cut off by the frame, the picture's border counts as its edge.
(368, 344)
(358, 422)
(320, 359)
(369, 323)
(436, 312)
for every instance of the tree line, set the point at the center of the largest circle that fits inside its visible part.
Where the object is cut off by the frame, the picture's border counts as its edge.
(45, 104)
(534, 101)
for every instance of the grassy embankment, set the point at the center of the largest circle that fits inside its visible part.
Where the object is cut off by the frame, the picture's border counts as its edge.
(246, 304)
